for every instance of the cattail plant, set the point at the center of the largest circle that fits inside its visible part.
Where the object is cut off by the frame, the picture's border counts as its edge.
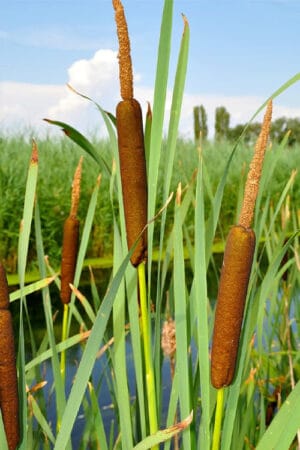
(131, 147)
(9, 402)
(70, 240)
(134, 191)
(235, 274)
(69, 253)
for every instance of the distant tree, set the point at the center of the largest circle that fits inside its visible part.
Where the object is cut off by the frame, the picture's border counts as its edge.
(222, 120)
(278, 129)
(203, 123)
(200, 123)
(197, 123)
(282, 125)
(294, 126)
(250, 134)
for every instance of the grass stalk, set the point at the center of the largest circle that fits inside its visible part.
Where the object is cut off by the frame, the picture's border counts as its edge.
(218, 419)
(146, 336)
(64, 335)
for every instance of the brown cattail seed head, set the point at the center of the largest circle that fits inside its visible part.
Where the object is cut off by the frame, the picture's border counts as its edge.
(133, 175)
(69, 256)
(231, 298)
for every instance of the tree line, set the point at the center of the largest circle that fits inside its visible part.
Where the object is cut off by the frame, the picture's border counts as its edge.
(222, 130)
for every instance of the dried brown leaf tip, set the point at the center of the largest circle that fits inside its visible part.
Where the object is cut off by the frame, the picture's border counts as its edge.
(254, 175)
(149, 111)
(178, 194)
(34, 154)
(125, 64)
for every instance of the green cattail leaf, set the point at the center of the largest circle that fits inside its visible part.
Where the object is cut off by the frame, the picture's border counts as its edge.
(200, 303)
(31, 288)
(182, 333)
(119, 359)
(99, 430)
(59, 387)
(82, 141)
(280, 434)
(169, 163)
(164, 435)
(68, 343)
(88, 359)
(160, 92)
(23, 245)
(41, 419)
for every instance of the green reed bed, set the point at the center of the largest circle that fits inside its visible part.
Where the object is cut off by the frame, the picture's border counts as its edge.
(58, 159)
(262, 403)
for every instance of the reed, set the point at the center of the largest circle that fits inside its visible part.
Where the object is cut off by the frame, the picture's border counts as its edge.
(134, 191)
(69, 256)
(235, 274)
(131, 147)
(70, 240)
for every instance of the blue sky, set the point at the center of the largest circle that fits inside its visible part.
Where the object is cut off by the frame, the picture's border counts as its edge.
(240, 52)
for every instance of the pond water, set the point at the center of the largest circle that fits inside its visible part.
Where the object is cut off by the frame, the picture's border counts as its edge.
(102, 378)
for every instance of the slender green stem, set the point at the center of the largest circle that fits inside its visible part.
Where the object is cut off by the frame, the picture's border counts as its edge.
(63, 338)
(218, 419)
(64, 335)
(146, 336)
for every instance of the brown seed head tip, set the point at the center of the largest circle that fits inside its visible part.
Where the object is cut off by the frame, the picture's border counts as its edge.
(125, 64)
(34, 154)
(254, 174)
(76, 188)
(117, 5)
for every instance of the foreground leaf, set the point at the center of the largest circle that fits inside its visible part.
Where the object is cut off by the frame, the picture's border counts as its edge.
(164, 435)
(82, 141)
(285, 424)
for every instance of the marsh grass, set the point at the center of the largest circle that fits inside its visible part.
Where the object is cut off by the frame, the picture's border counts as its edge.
(58, 159)
(195, 219)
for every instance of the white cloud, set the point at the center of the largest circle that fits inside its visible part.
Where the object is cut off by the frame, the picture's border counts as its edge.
(24, 105)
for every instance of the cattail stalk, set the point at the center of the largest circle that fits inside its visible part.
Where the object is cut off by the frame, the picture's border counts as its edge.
(131, 147)
(146, 336)
(9, 401)
(134, 191)
(69, 257)
(234, 280)
(70, 240)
